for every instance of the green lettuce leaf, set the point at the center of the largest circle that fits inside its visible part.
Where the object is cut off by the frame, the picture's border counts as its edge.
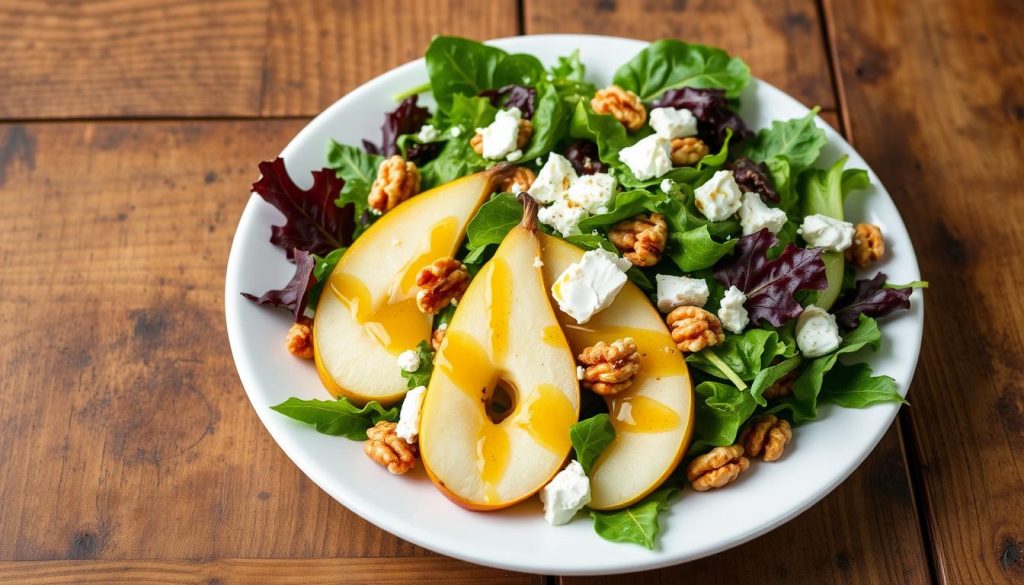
(550, 122)
(590, 437)
(359, 169)
(638, 523)
(337, 417)
(461, 66)
(603, 130)
(322, 268)
(798, 140)
(745, 354)
(421, 377)
(493, 221)
(854, 387)
(720, 411)
(671, 64)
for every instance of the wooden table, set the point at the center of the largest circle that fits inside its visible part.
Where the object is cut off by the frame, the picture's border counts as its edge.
(131, 130)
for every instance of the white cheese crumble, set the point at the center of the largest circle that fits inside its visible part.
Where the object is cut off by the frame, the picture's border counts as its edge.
(537, 262)
(580, 372)
(676, 291)
(827, 233)
(589, 286)
(566, 494)
(499, 139)
(455, 131)
(719, 198)
(755, 215)
(592, 192)
(514, 155)
(666, 186)
(672, 123)
(409, 360)
(731, 311)
(817, 332)
(515, 189)
(409, 417)
(428, 133)
(563, 216)
(648, 158)
(553, 179)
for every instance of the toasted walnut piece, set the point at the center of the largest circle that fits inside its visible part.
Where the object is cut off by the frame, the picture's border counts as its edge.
(397, 180)
(641, 238)
(622, 104)
(519, 182)
(438, 336)
(610, 367)
(693, 328)
(868, 245)
(384, 446)
(768, 435)
(782, 387)
(299, 340)
(688, 151)
(441, 282)
(522, 139)
(717, 468)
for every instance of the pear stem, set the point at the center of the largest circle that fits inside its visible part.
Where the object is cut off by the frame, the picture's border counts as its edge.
(529, 221)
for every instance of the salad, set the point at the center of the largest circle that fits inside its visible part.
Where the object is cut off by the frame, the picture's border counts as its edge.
(600, 295)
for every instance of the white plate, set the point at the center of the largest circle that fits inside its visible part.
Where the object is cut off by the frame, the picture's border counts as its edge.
(823, 454)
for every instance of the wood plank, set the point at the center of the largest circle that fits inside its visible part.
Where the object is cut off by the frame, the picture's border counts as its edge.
(377, 571)
(934, 95)
(782, 41)
(124, 430)
(169, 58)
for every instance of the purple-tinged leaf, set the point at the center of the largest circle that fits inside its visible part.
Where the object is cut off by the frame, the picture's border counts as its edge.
(870, 297)
(583, 156)
(422, 153)
(407, 118)
(294, 294)
(754, 177)
(711, 108)
(519, 96)
(770, 284)
(313, 222)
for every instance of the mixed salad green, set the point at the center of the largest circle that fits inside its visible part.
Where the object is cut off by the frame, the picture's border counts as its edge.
(778, 273)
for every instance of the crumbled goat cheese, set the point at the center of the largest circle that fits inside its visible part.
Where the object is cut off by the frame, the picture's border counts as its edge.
(666, 186)
(817, 332)
(427, 133)
(553, 179)
(499, 139)
(719, 198)
(409, 360)
(455, 131)
(409, 417)
(580, 372)
(731, 311)
(672, 123)
(592, 192)
(648, 158)
(566, 494)
(676, 291)
(537, 262)
(755, 215)
(589, 286)
(827, 233)
(563, 216)
(514, 155)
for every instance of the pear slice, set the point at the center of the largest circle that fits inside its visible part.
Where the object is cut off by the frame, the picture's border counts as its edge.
(495, 422)
(653, 418)
(367, 312)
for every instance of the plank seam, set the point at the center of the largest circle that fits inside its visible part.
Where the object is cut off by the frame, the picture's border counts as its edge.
(918, 493)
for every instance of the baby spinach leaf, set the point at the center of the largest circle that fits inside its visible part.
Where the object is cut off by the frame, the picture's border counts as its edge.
(461, 66)
(550, 123)
(493, 221)
(855, 387)
(421, 377)
(590, 437)
(720, 411)
(770, 375)
(670, 64)
(695, 249)
(745, 354)
(638, 523)
(337, 417)
(295, 294)
(799, 140)
(592, 242)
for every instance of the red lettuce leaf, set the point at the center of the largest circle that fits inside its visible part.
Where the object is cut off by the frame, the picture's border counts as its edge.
(583, 156)
(295, 294)
(313, 221)
(520, 96)
(770, 284)
(711, 108)
(754, 177)
(407, 118)
(869, 297)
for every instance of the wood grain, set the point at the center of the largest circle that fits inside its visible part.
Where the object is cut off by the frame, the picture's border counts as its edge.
(782, 40)
(934, 95)
(244, 58)
(124, 430)
(382, 571)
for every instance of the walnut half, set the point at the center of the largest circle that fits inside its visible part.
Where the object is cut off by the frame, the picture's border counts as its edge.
(768, 435)
(717, 468)
(384, 446)
(441, 282)
(397, 180)
(641, 238)
(299, 340)
(868, 245)
(610, 367)
(622, 104)
(693, 328)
